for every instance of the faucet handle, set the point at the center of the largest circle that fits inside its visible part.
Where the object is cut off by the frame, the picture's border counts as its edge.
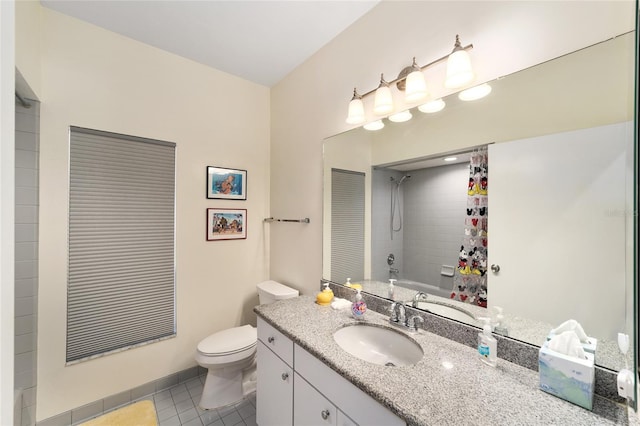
(393, 316)
(411, 323)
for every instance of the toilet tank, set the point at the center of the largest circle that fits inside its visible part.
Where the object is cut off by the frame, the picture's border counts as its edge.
(270, 291)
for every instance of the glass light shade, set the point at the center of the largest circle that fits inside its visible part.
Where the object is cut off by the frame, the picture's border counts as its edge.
(449, 159)
(401, 117)
(416, 87)
(432, 106)
(374, 125)
(356, 112)
(459, 70)
(383, 102)
(476, 92)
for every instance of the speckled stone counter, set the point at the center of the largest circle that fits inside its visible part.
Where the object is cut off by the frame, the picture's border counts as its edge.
(449, 386)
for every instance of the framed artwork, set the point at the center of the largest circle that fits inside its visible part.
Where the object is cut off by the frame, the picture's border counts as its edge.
(226, 224)
(228, 184)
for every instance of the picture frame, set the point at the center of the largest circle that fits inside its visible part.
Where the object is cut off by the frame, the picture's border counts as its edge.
(227, 184)
(226, 224)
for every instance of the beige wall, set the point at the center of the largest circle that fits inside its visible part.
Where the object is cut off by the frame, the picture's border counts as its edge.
(28, 24)
(311, 103)
(97, 79)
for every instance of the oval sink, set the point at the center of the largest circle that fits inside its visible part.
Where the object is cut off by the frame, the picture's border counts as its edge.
(452, 312)
(378, 345)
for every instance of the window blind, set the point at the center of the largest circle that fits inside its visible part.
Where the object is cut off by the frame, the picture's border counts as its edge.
(347, 225)
(121, 272)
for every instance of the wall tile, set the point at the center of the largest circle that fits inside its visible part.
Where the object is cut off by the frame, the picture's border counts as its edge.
(26, 159)
(26, 251)
(87, 411)
(26, 269)
(24, 306)
(27, 141)
(25, 325)
(117, 400)
(166, 382)
(24, 343)
(24, 362)
(27, 122)
(28, 397)
(26, 196)
(25, 379)
(144, 390)
(26, 287)
(28, 416)
(63, 419)
(26, 177)
(26, 214)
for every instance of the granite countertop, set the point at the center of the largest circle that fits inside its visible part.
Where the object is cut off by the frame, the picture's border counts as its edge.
(449, 386)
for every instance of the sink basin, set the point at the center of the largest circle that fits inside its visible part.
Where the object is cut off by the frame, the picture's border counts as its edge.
(378, 345)
(452, 312)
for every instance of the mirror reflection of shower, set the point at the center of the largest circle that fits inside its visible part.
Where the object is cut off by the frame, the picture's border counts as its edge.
(396, 208)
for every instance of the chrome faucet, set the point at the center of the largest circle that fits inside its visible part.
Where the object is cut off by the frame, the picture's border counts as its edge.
(398, 313)
(411, 322)
(394, 271)
(419, 297)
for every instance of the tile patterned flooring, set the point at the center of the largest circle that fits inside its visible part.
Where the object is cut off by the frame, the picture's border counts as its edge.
(178, 406)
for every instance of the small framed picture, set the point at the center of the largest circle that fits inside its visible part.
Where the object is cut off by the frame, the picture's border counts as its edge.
(228, 184)
(226, 224)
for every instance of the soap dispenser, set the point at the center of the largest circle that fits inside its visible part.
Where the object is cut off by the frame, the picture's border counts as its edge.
(325, 297)
(358, 308)
(499, 326)
(487, 344)
(392, 291)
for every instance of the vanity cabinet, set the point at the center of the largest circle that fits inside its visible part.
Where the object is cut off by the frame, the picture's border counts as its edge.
(274, 389)
(294, 387)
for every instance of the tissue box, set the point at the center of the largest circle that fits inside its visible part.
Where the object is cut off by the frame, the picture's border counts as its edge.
(588, 347)
(566, 377)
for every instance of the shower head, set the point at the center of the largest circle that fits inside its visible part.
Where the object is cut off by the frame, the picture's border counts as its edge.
(403, 178)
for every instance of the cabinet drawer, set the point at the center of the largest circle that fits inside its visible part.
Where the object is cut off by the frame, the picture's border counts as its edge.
(280, 344)
(361, 408)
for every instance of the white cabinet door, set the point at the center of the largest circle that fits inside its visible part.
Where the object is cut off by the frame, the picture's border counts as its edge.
(343, 420)
(556, 226)
(310, 408)
(274, 394)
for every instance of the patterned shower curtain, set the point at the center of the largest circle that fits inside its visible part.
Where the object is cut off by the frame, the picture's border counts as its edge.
(470, 277)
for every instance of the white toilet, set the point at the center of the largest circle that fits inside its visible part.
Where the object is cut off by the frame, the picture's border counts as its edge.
(230, 354)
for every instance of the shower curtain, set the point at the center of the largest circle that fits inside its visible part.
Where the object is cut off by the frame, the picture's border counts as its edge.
(470, 277)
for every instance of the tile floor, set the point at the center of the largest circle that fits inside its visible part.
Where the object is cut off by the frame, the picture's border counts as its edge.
(178, 406)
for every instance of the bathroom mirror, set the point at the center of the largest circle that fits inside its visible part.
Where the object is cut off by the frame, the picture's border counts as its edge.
(589, 89)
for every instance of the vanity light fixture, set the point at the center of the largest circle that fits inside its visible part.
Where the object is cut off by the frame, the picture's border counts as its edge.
(374, 125)
(475, 93)
(412, 81)
(432, 106)
(383, 102)
(401, 117)
(356, 109)
(450, 158)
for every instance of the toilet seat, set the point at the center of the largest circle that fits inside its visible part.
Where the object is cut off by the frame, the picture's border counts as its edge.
(231, 341)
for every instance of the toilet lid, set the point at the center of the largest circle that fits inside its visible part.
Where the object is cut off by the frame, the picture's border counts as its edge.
(229, 341)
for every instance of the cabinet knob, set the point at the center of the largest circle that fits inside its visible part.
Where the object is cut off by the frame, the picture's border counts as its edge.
(495, 268)
(325, 414)
(285, 376)
(271, 339)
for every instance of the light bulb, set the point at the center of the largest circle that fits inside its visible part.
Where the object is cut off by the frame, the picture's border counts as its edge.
(383, 102)
(432, 106)
(474, 93)
(459, 70)
(356, 110)
(374, 125)
(401, 117)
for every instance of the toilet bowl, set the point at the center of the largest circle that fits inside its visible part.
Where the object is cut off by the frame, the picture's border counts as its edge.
(230, 355)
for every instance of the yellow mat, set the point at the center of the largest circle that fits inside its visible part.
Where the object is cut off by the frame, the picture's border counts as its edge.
(141, 413)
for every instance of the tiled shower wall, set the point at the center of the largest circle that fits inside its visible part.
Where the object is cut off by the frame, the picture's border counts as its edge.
(435, 201)
(26, 258)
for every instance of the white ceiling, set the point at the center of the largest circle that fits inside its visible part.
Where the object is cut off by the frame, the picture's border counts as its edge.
(260, 41)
